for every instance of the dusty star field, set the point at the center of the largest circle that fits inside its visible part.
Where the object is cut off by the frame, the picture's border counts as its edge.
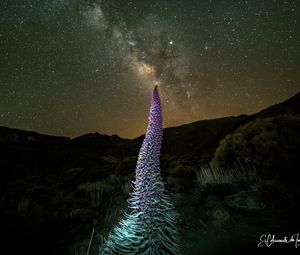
(69, 67)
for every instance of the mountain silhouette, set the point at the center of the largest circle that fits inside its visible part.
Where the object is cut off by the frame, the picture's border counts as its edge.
(24, 152)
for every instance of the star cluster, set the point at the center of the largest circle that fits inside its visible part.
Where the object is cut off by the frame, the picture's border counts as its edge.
(74, 66)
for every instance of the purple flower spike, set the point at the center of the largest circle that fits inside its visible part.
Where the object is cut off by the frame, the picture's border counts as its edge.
(150, 228)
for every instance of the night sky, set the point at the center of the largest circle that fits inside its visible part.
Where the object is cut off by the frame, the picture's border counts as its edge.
(69, 67)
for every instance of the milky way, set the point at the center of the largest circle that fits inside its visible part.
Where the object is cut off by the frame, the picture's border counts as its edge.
(72, 67)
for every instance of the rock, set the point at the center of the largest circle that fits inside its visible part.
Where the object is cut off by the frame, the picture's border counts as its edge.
(250, 200)
(218, 215)
(221, 218)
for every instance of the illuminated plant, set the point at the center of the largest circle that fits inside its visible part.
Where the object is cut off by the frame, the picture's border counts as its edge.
(150, 227)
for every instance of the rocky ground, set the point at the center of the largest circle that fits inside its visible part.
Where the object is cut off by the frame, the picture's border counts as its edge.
(52, 215)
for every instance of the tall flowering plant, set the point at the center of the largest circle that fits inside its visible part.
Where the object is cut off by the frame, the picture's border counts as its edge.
(150, 228)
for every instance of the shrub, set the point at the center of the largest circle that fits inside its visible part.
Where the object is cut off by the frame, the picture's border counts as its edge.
(271, 144)
(94, 192)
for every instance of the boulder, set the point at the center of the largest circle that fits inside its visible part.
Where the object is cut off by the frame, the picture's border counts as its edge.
(221, 218)
(217, 213)
(249, 200)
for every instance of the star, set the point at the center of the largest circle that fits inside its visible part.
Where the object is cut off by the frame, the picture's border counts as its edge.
(96, 59)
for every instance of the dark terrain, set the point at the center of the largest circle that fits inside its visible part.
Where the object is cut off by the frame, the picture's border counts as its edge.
(55, 190)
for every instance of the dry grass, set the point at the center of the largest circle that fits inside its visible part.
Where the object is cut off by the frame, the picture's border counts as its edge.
(238, 175)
